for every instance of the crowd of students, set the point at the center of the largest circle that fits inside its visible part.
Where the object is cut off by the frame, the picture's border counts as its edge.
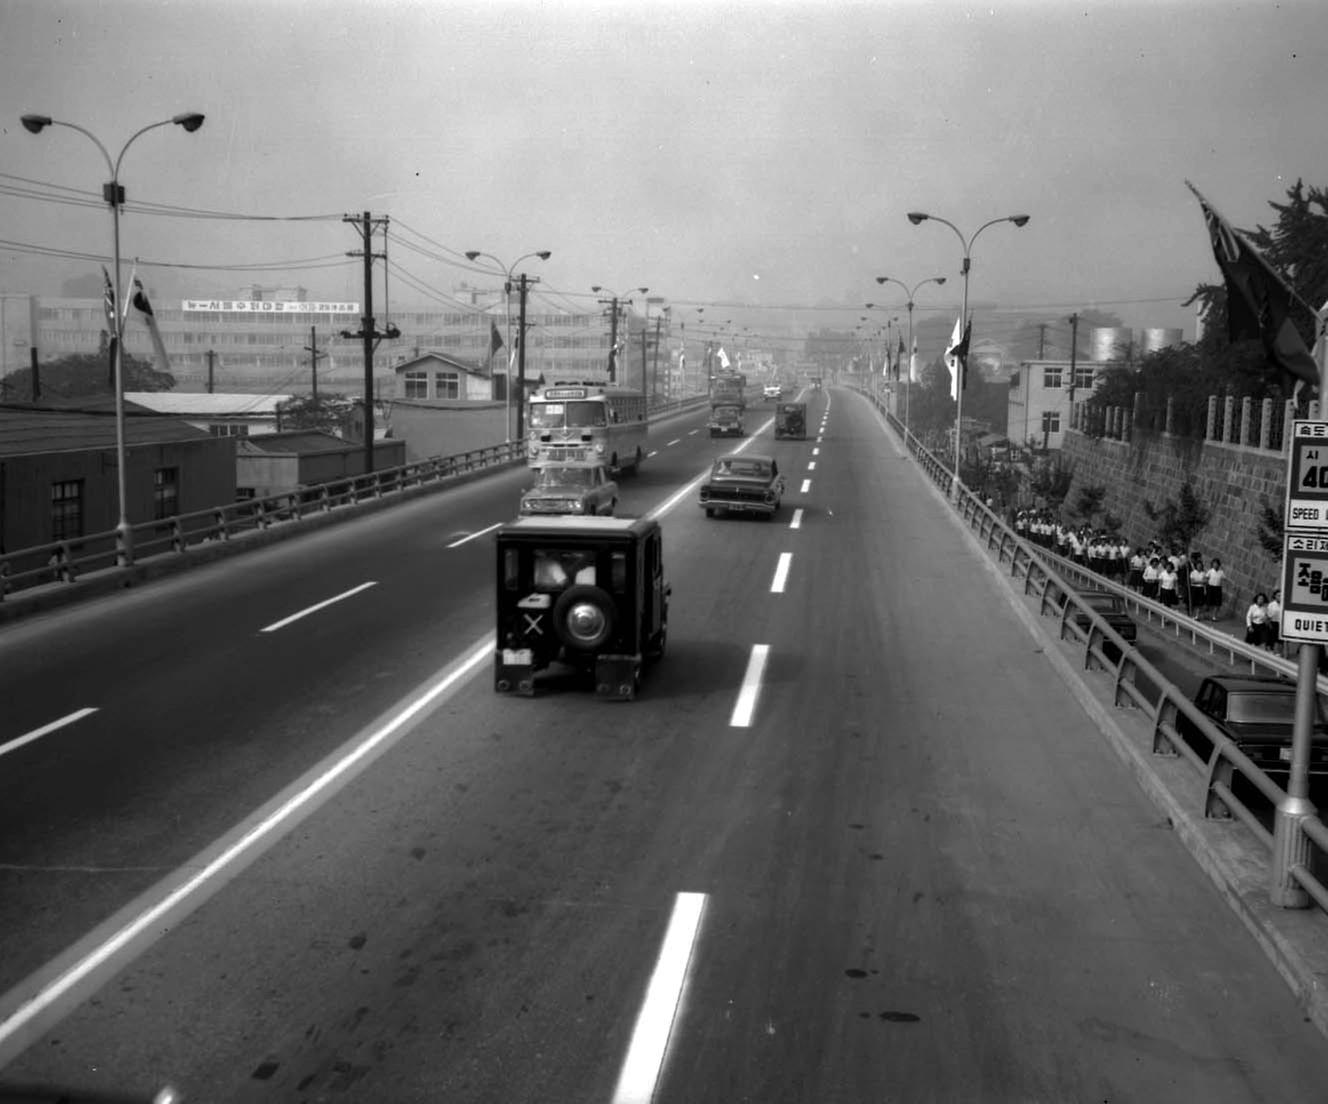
(1179, 581)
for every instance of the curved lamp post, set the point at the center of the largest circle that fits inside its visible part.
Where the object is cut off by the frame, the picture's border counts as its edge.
(911, 293)
(507, 270)
(616, 298)
(917, 217)
(114, 194)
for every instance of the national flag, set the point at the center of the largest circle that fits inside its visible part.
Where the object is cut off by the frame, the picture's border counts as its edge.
(723, 357)
(899, 355)
(108, 301)
(495, 338)
(913, 363)
(1258, 299)
(951, 356)
(141, 304)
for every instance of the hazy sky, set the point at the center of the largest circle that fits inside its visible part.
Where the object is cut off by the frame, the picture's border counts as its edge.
(761, 153)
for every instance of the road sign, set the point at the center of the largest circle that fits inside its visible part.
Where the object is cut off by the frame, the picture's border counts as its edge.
(1305, 589)
(1307, 477)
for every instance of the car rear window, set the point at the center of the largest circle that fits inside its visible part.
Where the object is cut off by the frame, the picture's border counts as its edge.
(1261, 707)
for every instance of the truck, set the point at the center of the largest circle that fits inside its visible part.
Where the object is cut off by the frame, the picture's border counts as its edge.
(728, 404)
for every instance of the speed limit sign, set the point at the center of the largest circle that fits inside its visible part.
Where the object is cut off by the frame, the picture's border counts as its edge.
(1307, 477)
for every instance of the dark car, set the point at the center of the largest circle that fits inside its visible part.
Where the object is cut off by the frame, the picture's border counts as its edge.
(584, 597)
(791, 421)
(743, 484)
(571, 490)
(1110, 607)
(726, 421)
(1258, 712)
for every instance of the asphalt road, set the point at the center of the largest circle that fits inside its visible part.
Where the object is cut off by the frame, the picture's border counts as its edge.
(902, 867)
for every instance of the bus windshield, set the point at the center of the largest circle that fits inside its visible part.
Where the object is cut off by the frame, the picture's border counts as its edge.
(557, 415)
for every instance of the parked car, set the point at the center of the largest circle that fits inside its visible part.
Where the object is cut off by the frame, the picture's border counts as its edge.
(743, 484)
(1110, 607)
(570, 490)
(585, 595)
(1258, 712)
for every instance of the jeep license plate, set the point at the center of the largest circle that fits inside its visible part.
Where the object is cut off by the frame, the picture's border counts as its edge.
(518, 657)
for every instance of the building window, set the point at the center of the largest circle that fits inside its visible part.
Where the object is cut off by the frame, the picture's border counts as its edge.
(1083, 377)
(165, 492)
(228, 429)
(447, 385)
(1051, 377)
(67, 509)
(1051, 421)
(417, 385)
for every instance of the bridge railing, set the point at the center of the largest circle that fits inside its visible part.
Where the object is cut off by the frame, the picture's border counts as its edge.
(66, 561)
(1138, 684)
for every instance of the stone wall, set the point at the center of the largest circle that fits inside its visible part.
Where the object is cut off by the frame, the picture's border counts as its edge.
(1233, 481)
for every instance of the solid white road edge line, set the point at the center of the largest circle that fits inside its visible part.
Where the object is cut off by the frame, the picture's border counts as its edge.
(314, 609)
(644, 1062)
(745, 706)
(47, 729)
(781, 573)
(478, 533)
(39, 1001)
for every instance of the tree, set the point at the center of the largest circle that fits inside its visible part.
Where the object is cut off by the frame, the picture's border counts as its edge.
(84, 375)
(330, 413)
(1050, 481)
(1179, 521)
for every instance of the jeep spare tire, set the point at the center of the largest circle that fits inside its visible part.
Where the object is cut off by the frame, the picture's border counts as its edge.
(583, 617)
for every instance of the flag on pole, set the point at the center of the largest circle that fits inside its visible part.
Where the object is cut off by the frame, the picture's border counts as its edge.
(108, 301)
(141, 304)
(913, 363)
(495, 338)
(1258, 299)
(951, 360)
(899, 355)
(723, 357)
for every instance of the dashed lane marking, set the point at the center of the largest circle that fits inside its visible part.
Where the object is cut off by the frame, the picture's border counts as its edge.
(479, 533)
(315, 608)
(806, 486)
(796, 523)
(46, 729)
(745, 707)
(781, 573)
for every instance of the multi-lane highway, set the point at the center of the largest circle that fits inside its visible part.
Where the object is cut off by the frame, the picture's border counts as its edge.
(267, 833)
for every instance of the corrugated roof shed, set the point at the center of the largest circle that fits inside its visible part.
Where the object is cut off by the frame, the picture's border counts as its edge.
(204, 405)
(29, 430)
(297, 442)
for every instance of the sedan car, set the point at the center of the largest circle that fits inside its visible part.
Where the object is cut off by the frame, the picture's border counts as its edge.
(743, 484)
(772, 391)
(571, 490)
(1258, 713)
(1110, 607)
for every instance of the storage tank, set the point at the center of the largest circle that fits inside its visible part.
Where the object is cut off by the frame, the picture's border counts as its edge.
(1110, 342)
(1155, 340)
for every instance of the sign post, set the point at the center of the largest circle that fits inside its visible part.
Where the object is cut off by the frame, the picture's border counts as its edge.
(1304, 618)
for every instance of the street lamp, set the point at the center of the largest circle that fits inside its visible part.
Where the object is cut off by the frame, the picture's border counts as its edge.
(615, 298)
(507, 270)
(918, 217)
(910, 292)
(114, 194)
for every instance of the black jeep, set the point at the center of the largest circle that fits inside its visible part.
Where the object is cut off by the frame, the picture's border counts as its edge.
(584, 594)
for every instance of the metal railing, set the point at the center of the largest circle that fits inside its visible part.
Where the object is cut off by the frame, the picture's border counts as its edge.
(66, 561)
(1137, 683)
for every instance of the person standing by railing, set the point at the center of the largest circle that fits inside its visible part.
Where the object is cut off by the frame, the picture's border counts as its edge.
(1166, 584)
(1152, 571)
(1256, 620)
(1273, 630)
(1213, 579)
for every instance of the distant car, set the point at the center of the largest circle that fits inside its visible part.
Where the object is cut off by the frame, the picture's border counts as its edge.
(1111, 608)
(1258, 712)
(772, 391)
(726, 421)
(743, 484)
(791, 421)
(571, 490)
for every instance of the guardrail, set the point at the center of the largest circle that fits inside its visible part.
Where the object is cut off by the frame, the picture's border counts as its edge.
(66, 561)
(1137, 683)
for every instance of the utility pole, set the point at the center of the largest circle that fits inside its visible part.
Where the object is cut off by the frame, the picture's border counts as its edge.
(314, 356)
(367, 333)
(654, 361)
(1074, 345)
(211, 357)
(523, 282)
(613, 339)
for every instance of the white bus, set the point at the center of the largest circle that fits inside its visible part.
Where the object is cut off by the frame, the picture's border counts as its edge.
(586, 424)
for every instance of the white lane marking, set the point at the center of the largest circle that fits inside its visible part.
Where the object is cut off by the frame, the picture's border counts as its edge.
(674, 441)
(46, 729)
(644, 1062)
(781, 573)
(820, 438)
(811, 465)
(682, 492)
(796, 523)
(314, 609)
(693, 432)
(652, 452)
(479, 533)
(21, 1006)
(806, 486)
(816, 452)
(751, 687)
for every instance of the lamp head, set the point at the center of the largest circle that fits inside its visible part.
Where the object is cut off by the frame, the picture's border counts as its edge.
(190, 120)
(35, 123)
(882, 279)
(916, 217)
(939, 279)
(1019, 220)
(472, 254)
(869, 306)
(596, 288)
(544, 254)
(642, 290)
